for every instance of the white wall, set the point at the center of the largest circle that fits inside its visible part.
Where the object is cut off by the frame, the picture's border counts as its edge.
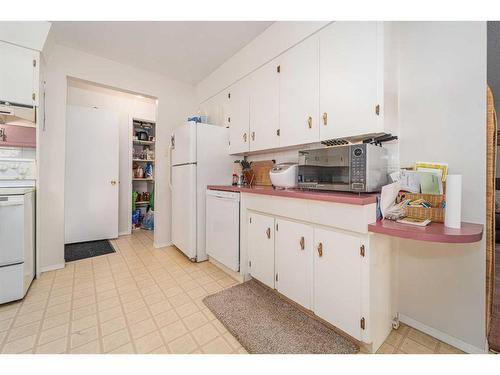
(126, 106)
(175, 101)
(442, 117)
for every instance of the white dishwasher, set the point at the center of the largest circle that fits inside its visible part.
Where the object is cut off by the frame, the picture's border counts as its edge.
(223, 227)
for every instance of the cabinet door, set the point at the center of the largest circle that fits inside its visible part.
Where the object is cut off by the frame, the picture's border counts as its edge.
(264, 107)
(261, 248)
(18, 74)
(294, 245)
(349, 83)
(238, 117)
(299, 94)
(337, 280)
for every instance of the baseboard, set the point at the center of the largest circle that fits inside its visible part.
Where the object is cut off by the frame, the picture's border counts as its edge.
(160, 245)
(52, 267)
(451, 340)
(124, 233)
(235, 275)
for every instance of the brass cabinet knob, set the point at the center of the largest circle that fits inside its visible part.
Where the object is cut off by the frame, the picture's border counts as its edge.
(268, 232)
(245, 137)
(320, 249)
(302, 243)
(325, 118)
(310, 122)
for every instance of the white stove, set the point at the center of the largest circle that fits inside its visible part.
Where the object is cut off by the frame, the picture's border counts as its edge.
(17, 227)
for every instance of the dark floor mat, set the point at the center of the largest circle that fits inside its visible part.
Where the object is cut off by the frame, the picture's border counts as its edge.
(83, 250)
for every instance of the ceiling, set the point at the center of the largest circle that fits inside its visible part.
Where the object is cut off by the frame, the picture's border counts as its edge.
(188, 51)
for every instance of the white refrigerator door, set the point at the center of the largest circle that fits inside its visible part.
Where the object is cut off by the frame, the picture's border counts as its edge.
(183, 144)
(223, 229)
(184, 208)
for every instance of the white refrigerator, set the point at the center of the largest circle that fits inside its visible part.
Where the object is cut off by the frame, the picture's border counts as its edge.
(199, 156)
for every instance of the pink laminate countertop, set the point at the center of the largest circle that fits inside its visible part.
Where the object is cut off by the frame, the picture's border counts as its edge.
(434, 232)
(335, 197)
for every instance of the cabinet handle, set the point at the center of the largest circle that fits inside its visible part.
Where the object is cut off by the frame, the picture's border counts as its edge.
(325, 118)
(302, 243)
(245, 137)
(310, 122)
(253, 136)
(320, 249)
(268, 232)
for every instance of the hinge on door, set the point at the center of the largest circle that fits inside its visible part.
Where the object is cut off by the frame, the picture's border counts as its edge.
(229, 119)
(362, 250)
(276, 226)
(33, 96)
(34, 63)
(249, 263)
(278, 68)
(276, 277)
(278, 132)
(229, 95)
(377, 109)
(250, 220)
(362, 323)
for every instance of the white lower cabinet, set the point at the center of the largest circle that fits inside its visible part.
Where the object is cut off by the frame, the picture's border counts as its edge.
(337, 279)
(261, 248)
(294, 246)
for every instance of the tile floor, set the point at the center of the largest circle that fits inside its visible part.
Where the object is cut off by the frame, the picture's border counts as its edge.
(138, 300)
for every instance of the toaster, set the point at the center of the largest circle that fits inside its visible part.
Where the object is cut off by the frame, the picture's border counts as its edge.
(284, 175)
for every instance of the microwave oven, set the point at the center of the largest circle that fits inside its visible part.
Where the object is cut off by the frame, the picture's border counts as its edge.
(354, 168)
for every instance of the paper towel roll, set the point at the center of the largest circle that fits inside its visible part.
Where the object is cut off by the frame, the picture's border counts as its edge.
(453, 213)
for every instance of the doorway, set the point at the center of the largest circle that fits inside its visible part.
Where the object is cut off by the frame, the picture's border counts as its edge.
(106, 147)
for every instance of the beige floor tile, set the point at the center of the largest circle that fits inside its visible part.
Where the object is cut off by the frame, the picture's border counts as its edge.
(412, 347)
(231, 340)
(217, 346)
(444, 348)
(60, 308)
(125, 349)
(138, 316)
(173, 331)
(148, 343)
(108, 303)
(160, 307)
(54, 347)
(56, 320)
(166, 318)
(187, 309)
(115, 340)
(179, 299)
(161, 350)
(183, 345)
(31, 307)
(92, 347)
(205, 333)
(83, 323)
(82, 312)
(394, 339)
(386, 349)
(52, 334)
(423, 339)
(20, 345)
(195, 320)
(142, 328)
(113, 325)
(23, 331)
(83, 337)
(219, 326)
(28, 318)
(6, 324)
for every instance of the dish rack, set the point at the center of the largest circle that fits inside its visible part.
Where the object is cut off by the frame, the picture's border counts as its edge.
(435, 213)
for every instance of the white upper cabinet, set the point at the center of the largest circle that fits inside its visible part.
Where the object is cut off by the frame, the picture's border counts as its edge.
(299, 94)
(238, 117)
(216, 109)
(351, 79)
(264, 107)
(294, 267)
(19, 69)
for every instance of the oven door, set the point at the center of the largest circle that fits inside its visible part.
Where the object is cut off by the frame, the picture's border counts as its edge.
(325, 169)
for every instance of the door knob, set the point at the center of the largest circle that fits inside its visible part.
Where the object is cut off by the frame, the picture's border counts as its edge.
(113, 182)
(320, 249)
(302, 243)
(268, 232)
(310, 122)
(325, 118)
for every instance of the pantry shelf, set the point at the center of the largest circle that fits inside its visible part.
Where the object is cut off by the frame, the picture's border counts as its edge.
(144, 160)
(136, 142)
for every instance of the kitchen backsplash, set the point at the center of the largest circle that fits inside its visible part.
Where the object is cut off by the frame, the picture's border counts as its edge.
(17, 153)
(291, 155)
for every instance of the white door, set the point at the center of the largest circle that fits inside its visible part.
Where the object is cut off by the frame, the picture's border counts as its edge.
(261, 248)
(337, 280)
(299, 94)
(92, 170)
(238, 117)
(223, 228)
(349, 79)
(184, 209)
(294, 244)
(264, 107)
(17, 74)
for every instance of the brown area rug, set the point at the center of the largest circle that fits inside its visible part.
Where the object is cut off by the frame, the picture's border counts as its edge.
(265, 323)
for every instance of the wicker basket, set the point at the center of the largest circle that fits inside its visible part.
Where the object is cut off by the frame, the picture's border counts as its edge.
(434, 213)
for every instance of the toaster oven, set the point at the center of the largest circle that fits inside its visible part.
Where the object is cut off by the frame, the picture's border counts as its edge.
(355, 168)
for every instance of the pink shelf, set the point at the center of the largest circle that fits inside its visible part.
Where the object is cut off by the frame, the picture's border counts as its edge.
(336, 197)
(434, 232)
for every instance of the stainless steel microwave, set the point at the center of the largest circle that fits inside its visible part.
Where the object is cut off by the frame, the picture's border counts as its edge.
(356, 168)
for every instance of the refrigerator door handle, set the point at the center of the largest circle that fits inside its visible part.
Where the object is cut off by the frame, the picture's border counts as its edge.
(170, 165)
